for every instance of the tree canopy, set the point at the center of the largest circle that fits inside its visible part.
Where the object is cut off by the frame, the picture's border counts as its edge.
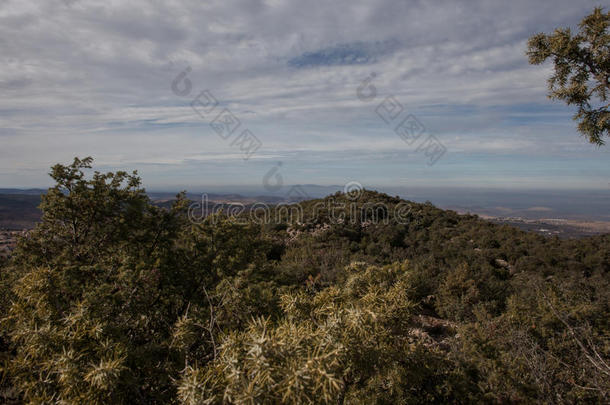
(581, 71)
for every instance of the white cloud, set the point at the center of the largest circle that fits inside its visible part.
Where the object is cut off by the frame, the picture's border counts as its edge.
(88, 78)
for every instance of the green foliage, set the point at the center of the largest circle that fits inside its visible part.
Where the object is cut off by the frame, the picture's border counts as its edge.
(582, 71)
(355, 343)
(111, 299)
(105, 286)
(551, 345)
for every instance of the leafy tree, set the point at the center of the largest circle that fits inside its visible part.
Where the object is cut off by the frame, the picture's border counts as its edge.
(106, 286)
(89, 317)
(88, 221)
(582, 71)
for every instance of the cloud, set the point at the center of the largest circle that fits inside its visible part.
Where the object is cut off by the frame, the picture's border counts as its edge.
(90, 78)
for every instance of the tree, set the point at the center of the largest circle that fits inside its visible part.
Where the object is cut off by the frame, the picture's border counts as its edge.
(91, 313)
(582, 71)
(110, 296)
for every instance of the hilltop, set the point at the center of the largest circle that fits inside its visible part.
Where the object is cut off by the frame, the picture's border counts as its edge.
(353, 298)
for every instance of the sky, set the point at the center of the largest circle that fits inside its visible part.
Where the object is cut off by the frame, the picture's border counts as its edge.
(218, 94)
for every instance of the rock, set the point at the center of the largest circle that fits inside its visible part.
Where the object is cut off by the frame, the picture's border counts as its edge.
(502, 263)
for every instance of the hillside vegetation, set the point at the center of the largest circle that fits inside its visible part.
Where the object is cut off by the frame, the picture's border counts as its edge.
(111, 299)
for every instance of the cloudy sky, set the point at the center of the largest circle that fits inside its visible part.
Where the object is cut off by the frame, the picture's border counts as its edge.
(117, 80)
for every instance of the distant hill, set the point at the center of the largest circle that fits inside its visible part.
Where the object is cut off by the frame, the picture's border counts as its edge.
(28, 191)
(19, 211)
(19, 208)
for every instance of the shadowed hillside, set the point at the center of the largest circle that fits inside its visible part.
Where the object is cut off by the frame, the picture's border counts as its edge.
(19, 211)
